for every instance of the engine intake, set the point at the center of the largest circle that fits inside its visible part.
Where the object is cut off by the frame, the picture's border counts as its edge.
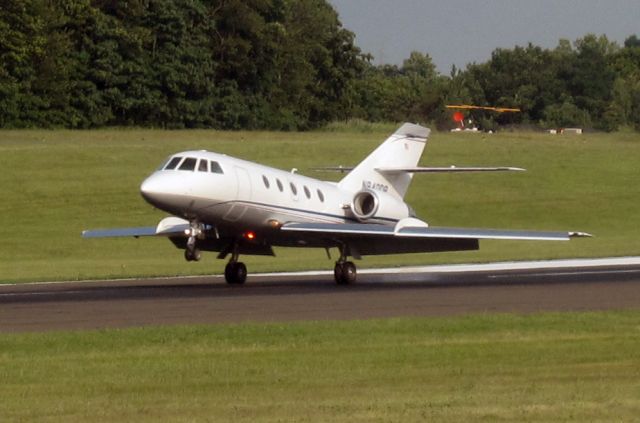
(365, 205)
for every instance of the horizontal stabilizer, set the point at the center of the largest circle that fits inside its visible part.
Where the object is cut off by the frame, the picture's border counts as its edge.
(391, 170)
(450, 169)
(341, 169)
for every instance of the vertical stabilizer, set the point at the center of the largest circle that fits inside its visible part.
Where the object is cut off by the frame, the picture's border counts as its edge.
(401, 150)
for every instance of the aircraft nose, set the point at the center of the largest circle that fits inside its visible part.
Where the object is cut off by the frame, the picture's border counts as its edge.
(153, 189)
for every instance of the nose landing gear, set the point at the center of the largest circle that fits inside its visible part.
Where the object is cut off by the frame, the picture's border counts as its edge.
(192, 253)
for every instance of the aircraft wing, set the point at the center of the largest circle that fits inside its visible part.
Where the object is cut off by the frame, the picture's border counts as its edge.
(427, 232)
(105, 233)
(170, 226)
(371, 239)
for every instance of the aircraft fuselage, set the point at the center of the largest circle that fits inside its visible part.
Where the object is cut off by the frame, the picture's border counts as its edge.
(238, 195)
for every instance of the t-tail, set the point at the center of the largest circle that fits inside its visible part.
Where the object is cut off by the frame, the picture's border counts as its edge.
(402, 150)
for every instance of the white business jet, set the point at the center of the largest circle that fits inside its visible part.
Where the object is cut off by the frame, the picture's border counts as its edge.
(235, 207)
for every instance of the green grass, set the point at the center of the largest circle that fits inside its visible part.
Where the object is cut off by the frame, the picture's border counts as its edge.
(546, 367)
(54, 184)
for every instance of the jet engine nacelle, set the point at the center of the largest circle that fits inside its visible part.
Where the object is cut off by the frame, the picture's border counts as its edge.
(367, 204)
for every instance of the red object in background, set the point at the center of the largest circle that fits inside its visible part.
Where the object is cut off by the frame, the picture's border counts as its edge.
(458, 117)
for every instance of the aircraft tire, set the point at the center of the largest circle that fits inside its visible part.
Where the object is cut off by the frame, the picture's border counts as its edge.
(349, 272)
(337, 273)
(345, 273)
(228, 273)
(241, 273)
(194, 255)
(235, 273)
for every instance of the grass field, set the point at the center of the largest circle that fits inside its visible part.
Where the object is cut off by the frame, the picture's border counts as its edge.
(543, 367)
(537, 368)
(54, 184)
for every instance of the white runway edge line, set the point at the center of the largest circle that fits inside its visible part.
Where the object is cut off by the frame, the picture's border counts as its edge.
(483, 267)
(581, 273)
(445, 268)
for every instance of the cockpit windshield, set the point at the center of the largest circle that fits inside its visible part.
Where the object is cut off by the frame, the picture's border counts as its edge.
(173, 163)
(192, 164)
(188, 164)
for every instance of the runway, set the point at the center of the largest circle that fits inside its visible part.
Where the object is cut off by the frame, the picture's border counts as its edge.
(429, 291)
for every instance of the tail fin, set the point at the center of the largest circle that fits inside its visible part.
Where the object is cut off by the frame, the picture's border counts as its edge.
(402, 149)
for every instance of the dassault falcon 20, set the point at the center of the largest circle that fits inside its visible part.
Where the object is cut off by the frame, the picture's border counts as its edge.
(236, 207)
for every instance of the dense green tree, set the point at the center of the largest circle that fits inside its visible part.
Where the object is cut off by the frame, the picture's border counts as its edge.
(278, 64)
(34, 87)
(281, 64)
(523, 77)
(625, 106)
(632, 41)
(413, 92)
(573, 85)
(591, 79)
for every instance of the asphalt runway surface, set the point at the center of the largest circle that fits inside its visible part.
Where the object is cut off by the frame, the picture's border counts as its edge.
(271, 298)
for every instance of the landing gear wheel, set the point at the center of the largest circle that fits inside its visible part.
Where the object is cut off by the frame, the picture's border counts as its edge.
(337, 273)
(192, 255)
(345, 273)
(235, 273)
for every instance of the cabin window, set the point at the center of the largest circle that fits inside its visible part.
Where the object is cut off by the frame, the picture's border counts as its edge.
(307, 192)
(188, 164)
(215, 167)
(294, 190)
(320, 196)
(266, 181)
(280, 187)
(173, 163)
(203, 166)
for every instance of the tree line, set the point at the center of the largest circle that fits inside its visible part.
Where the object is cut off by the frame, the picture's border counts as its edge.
(278, 64)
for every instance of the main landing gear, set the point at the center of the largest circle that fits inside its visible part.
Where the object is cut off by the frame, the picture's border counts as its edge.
(235, 272)
(345, 271)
